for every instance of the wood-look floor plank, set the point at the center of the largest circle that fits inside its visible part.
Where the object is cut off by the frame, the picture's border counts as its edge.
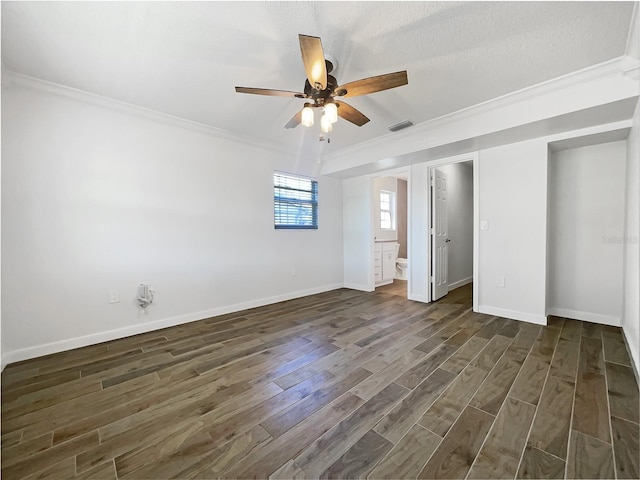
(288, 471)
(550, 430)
(130, 433)
(63, 414)
(361, 457)
(408, 456)
(545, 343)
(538, 464)
(591, 330)
(615, 350)
(104, 471)
(530, 381)
(624, 401)
(626, 444)
(571, 330)
(10, 438)
(463, 357)
(503, 447)
(246, 418)
(14, 454)
(404, 415)
(63, 469)
(282, 421)
(494, 389)
(590, 409)
(141, 455)
(379, 380)
(565, 360)
(416, 375)
(444, 412)
(328, 448)
(591, 359)
(454, 456)
(43, 460)
(589, 457)
(199, 454)
(289, 445)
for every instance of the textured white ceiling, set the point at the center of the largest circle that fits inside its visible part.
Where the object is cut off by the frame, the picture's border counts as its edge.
(184, 58)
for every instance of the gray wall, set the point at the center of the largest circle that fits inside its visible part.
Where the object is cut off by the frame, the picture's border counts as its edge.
(460, 221)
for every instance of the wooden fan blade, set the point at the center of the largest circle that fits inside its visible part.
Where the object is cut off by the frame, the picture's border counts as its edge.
(295, 120)
(351, 114)
(313, 59)
(373, 84)
(270, 92)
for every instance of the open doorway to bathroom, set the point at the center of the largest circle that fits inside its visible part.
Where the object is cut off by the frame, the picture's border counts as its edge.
(390, 222)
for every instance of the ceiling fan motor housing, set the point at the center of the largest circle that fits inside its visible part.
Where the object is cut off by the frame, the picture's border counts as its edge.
(320, 97)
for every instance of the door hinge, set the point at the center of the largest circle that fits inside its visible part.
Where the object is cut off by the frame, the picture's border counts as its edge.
(432, 279)
(431, 231)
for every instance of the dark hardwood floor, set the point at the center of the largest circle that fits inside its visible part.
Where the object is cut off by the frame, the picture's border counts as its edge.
(343, 384)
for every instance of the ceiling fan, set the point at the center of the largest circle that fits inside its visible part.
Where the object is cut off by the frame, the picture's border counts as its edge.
(323, 90)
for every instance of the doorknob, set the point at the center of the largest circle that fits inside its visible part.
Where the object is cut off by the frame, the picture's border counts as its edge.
(447, 240)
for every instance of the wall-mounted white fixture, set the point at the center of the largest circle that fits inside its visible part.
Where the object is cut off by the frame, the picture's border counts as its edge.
(145, 295)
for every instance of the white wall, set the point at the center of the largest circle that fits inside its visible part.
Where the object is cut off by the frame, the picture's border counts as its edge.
(357, 228)
(460, 222)
(390, 185)
(586, 228)
(512, 198)
(95, 199)
(631, 307)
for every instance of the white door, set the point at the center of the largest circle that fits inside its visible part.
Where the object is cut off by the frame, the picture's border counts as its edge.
(439, 233)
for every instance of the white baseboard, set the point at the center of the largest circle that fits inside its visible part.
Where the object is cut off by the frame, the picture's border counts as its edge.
(417, 298)
(357, 286)
(55, 347)
(513, 314)
(460, 283)
(585, 316)
(633, 347)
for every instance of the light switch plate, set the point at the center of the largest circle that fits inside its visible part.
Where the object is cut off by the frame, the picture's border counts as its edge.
(114, 296)
(484, 224)
(500, 282)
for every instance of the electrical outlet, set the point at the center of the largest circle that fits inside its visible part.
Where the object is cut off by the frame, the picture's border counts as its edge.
(501, 282)
(114, 296)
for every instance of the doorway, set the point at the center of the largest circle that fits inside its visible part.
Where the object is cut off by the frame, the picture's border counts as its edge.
(389, 211)
(451, 227)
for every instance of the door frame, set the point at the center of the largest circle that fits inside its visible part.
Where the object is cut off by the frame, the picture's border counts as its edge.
(465, 157)
(406, 171)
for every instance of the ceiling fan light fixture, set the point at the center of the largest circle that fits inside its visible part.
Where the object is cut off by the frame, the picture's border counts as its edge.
(325, 123)
(307, 116)
(331, 112)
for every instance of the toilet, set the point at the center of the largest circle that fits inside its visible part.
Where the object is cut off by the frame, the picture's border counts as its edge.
(401, 265)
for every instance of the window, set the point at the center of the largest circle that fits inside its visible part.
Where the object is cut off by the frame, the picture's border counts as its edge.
(295, 201)
(387, 217)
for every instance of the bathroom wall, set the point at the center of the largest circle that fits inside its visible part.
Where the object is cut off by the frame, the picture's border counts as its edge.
(401, 208)
(388, 184)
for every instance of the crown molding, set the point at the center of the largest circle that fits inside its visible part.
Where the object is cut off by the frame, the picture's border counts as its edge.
(11, 78)
(413, 138)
